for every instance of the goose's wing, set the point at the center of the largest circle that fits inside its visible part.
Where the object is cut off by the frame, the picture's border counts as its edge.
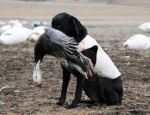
(68, 44)
(69, 49)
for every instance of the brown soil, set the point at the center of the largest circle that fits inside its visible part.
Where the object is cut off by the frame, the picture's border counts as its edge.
(109, 23)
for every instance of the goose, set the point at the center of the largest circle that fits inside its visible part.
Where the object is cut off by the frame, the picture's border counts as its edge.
(24, 22)
(137, 42)
(145, 27)
(4, 28)
(2, 22)
(18, 24)
(13, 21)
(15, 36)
(56, 43)
(36, 32)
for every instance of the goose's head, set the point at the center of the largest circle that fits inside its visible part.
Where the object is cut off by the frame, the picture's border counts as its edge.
(38, 56)
(37, 77)
(145, 27)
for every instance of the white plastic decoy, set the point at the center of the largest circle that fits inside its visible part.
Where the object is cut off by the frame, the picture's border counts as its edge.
(137, 42)
(145, 27)
(4, 28)
(24, 22)
(15, 36)
(18, 24)
(13, 21)
(36, 32)
(2, 22)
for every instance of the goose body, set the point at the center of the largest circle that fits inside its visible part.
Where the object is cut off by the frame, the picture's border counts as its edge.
(13, 21)
(145, 27)
(137, 42)
(2, 22)
(4, 28)
(56, 43)
(14, 36)
(17, 24)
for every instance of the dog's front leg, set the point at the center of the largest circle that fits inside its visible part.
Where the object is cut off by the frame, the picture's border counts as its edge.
(66, 78)
(79, 86)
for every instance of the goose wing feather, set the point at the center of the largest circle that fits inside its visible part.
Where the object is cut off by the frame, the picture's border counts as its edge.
(68, 44)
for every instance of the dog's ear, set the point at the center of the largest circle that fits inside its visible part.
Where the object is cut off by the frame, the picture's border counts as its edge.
(76, 24)
(52, 23)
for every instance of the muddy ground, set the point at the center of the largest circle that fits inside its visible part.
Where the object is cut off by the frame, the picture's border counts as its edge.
(21, 97)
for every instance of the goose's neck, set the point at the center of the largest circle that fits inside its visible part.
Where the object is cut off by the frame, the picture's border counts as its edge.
(37, 66)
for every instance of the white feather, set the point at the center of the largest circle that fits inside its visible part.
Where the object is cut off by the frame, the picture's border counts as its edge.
(15, 36)
(145, 27)
(37, 76)
(137, 42)
(36, 32)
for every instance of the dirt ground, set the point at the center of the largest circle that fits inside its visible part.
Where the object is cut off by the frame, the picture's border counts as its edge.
(110, 23)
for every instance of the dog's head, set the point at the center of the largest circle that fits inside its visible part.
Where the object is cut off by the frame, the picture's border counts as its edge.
(69, 25)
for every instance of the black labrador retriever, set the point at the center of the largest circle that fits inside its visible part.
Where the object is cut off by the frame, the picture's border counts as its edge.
(99, 89)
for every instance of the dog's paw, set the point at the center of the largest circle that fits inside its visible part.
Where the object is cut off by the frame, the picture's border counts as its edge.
(60, 103)
(72, 106)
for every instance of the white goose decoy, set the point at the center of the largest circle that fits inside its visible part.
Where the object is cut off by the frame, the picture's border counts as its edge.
(15, 36)
(24, 22)
(36, 32)
(2, 22)
(4, 28)
(13, 21)
(18, 24)
(145, 27)
(137, 42)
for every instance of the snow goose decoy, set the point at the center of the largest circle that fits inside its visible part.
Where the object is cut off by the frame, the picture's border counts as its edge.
(145, 27)
(14, 36)
(17, 24)
(56, 43)
(4, 28)
(137, 42)
(13, 21)
(2, 22)
(36, 32)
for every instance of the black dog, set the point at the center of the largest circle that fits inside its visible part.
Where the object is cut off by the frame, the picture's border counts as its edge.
(98, 89)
